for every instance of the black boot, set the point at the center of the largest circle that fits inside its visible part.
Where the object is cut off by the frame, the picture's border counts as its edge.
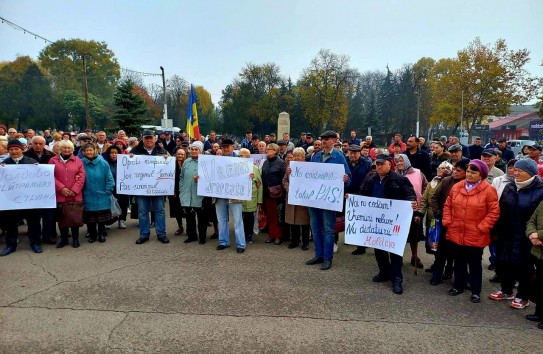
(75, 242)
(397, 287)
(63, 242)
(102, 237)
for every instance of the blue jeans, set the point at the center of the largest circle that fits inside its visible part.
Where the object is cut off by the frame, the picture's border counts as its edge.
(222, 206)
(144, 205)
(323, 223)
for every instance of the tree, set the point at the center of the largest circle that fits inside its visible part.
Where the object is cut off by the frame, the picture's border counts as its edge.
(484, 80)
(324, 88)
(131, 109)
(74, 104)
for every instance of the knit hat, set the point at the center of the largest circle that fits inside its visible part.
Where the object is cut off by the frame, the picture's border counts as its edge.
(527, 165)
(198, 144)
(3, 126)
(463, 163)
(481, 166)
(15, 143)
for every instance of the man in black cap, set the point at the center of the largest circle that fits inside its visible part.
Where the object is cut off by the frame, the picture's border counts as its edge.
(282, 149)
(476, 149)
(323, 221)
(168, 143)
(388, 184)
(148, 146)
(82, 140)
(456, 154)
(12, 217)
(308, 141)
(227, 147)
(507, 153)
(301, 142)
(489, 158)
(359, 167)
(273, 138)
(247, 141)
(253, 148)
(534, 153)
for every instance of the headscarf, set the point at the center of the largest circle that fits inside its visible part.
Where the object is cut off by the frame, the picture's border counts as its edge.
(406, 162)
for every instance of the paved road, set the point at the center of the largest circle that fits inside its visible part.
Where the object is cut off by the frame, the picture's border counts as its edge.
(120, 297)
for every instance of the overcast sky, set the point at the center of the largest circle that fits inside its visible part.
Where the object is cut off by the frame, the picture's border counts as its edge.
(208, 42)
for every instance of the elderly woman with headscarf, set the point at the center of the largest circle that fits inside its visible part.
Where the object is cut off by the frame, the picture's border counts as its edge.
(518, 202)
(444, 170)
(470, 212)
(419, 182)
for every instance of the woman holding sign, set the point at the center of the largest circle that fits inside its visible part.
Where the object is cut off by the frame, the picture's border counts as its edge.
(273, 171)
(470, 211)
(99, 185)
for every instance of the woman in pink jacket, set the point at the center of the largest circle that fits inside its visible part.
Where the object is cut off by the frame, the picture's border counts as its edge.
(69, 182)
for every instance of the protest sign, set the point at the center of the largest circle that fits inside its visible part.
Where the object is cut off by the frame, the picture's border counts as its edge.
(145, 175)
(316, 185)
(377, 223)
(27, 187)
(257, 158)
(225, 177)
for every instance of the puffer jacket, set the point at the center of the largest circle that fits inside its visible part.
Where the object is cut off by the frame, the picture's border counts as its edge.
(469, 217)
(99, 184)
(516, 206)
(71, 175)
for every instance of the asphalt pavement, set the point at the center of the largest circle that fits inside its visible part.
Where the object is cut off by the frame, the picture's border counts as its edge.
(119, 297)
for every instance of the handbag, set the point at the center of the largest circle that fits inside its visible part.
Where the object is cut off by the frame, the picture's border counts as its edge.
(262, 219)
(115, 207)
(71, 215)
(340, 224)
(276, 191)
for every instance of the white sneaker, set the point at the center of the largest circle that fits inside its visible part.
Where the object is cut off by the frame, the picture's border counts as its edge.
(122, 224)
(335, 247)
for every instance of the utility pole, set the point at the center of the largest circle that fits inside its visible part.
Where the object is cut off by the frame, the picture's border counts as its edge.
(418, 113)
(87, 110)
(165, 122)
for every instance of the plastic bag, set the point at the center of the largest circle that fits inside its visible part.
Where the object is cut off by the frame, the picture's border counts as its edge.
(433, 234)
(262, 219)
(115, 207)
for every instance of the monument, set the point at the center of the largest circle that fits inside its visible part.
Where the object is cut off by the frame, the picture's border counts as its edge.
(283, 124)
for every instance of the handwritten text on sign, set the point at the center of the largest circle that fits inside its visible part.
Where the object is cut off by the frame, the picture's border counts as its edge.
(225, 177)
(145, 175)
(317, 185)
(377, 223)
(27, 187)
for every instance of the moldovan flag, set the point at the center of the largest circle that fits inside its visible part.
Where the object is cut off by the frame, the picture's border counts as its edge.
(193, 130)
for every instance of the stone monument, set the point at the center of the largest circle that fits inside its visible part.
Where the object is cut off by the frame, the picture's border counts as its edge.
(283, 125)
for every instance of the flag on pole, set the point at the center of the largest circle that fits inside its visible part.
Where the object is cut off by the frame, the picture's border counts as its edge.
(193, 130)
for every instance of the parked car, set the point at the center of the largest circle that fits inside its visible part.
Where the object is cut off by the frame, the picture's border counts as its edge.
(517, 145)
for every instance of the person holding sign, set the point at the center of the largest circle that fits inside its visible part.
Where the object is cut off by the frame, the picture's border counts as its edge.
(250, 206)
(148, 147)
(388, 184)
(16, 157)
(190, 200)
(323, 221)
(470, 211)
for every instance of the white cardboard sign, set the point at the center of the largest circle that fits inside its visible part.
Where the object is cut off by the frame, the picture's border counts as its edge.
(225, 177)
(27, 187)
(145, 175)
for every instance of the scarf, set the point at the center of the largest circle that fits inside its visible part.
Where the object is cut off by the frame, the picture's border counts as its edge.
(64, 158)
(406, 162)
(524, 184)
(471, 186)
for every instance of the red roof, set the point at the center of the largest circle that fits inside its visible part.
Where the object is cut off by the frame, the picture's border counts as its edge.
(498, 123)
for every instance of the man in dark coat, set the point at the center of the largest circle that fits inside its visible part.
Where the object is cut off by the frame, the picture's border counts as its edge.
(359, 167)
(476, 149)
(148, 146)
(12, 217)
(38, 152)
(418, 158)
(388, 184)
(507, 153)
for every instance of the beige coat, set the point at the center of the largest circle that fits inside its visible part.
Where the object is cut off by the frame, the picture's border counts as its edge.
(294, 214)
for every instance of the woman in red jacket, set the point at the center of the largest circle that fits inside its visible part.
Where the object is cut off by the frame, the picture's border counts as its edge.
(69, 182)
(470, 211)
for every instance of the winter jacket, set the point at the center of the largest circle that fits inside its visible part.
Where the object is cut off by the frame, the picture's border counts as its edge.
(188, 187)
(475, 151)
(359, 171)
(99, 184)
(257, 192)
(140, 150)
(395, 187)
(44, 158)
(469, 216)
(516, 206)
(421, 161)
(69, 175)
(424, 207)
(438, 199)
(273, 171)
(535, 224)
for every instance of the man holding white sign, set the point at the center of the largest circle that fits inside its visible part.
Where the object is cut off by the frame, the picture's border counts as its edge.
(388, 184)
(323, 217)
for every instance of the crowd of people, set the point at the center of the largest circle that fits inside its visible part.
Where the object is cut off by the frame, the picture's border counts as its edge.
(480, 196)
